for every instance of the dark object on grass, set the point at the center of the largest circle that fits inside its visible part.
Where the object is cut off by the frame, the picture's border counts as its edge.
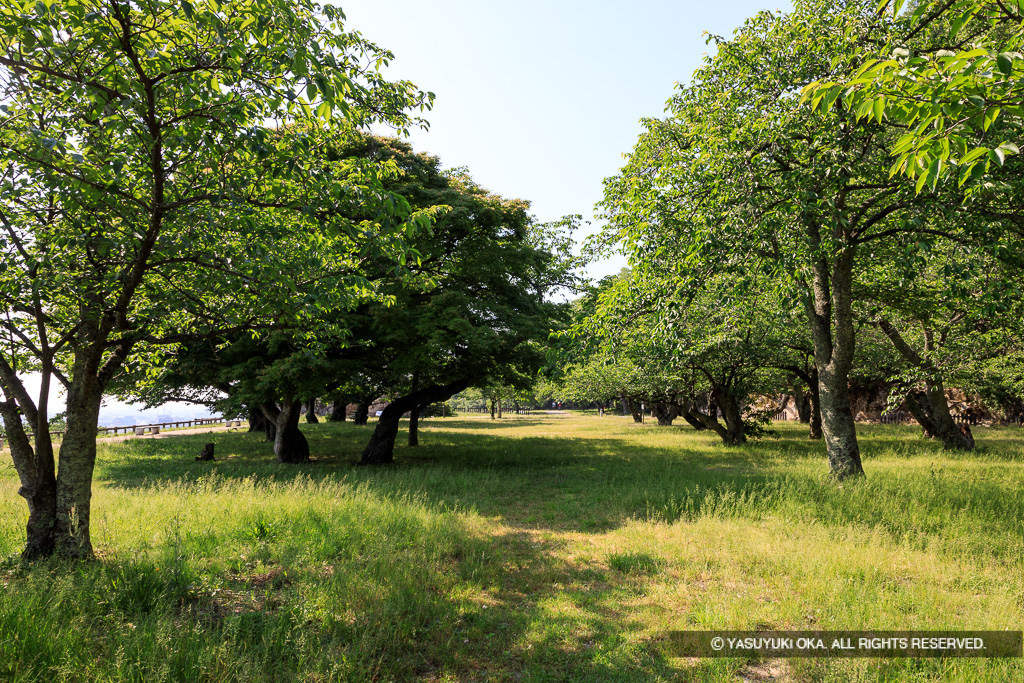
(206, 453)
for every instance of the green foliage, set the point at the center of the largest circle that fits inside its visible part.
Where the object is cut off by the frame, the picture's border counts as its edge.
(950, 77)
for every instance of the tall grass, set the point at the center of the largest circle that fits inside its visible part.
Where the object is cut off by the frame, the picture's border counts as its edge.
(533, 549)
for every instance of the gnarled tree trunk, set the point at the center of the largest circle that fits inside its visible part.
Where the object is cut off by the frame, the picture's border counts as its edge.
(311, 417)
(381, 448)
(35, 467)
(930, 407)
(290, 445)
(830, 312)
(362, 414)
(666, 413)
(339, 412)
(814, 430)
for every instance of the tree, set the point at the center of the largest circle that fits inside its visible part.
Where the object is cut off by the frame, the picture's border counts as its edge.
(741, 175)
(159, 183)
(950, 76)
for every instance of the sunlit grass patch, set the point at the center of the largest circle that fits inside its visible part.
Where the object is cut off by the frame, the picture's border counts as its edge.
(532, 548)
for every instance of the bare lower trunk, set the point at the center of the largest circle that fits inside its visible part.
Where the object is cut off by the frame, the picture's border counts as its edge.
(814, 430)
(259, 422)
(77, 460)
(381, 448)
(830, 313)
(916, 404)
(339, 412)
(35, 467)
(634, 409)
(290, 445)
(362, 414)
(666, 413)
(802, 403)
(493, 408)
(953, 438)
(311, 417)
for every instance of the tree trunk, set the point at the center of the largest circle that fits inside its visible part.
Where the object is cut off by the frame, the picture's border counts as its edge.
(362, 414)
(258, 421)
(35, 469)
(932, 408)
(802, 402)
(381, 448)
(634, 410)
(830, 313)
(666, 413)
(77, 459)
(311, 417)
(290, 445)
(493, 408)
(625, 406)
(339, 412)
(733, 417)
(814, 431)
(499, 408)
(918, 406)
(414, 426)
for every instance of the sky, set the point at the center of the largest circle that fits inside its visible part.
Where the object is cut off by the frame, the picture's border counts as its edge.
(540, 100)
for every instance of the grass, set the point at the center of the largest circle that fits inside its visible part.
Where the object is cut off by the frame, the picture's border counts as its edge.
(539, 548)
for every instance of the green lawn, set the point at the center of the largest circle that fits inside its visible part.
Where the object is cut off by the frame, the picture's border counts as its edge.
(540, 548)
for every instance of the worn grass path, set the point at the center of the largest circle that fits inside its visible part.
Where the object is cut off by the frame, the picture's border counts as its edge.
(540, 548)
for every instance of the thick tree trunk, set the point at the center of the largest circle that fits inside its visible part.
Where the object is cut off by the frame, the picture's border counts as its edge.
(931, 410)
(830, 312)
(624, 405)
(362, 414)
(666, 413)
(733, 417)
(952, 437)
(499, 408)
(35, 467)
(290, 445)
(930, 407)
(494, 405)
(634, 409)
(814, 431)
(802, 403)
(918, 406)
(258, 421)
(381, 448)
(339, 412)
(311, 417)
(77, 459)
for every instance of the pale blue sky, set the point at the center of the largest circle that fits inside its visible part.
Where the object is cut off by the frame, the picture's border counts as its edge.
(540, 100)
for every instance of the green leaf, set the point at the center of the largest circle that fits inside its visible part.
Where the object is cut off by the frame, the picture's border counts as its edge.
(1005, 63)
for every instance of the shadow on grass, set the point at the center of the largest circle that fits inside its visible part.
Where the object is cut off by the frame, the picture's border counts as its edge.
(598, 483)
(381, 596)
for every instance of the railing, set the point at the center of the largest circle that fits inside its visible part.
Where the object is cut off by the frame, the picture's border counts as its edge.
(780, 415)
(184, 424)
(152, 428)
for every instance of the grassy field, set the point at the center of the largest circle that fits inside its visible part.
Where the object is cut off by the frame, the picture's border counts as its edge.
(540, 548)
